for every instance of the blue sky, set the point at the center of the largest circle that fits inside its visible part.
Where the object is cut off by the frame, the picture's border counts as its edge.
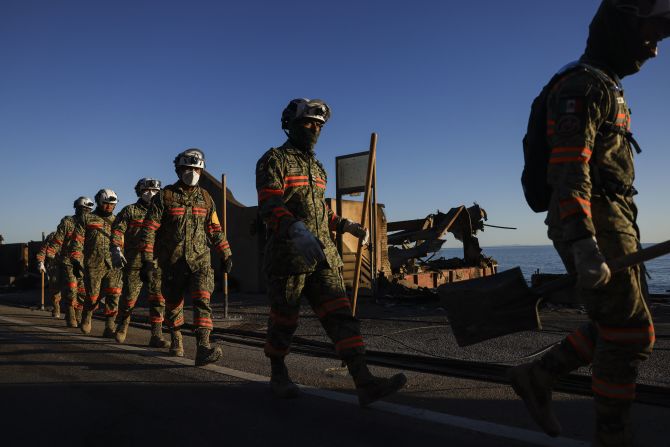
(97, 94)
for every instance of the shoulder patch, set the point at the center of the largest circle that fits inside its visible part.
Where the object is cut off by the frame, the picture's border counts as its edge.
(568, 125)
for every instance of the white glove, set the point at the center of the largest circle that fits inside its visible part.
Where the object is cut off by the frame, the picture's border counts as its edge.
(40, 267)
(118, 260)
(592, 271)
(357, 230)
(306, 243)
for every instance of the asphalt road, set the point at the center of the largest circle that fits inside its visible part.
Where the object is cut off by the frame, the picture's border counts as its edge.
(60, 387)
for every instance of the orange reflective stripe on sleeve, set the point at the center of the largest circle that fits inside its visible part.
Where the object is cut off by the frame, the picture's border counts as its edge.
(266, 193)
(574, 205)
(296, 180)
(550, 127)
(570, 155)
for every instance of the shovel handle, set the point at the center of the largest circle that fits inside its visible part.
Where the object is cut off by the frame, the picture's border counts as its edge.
(643, 255)
(615, 265)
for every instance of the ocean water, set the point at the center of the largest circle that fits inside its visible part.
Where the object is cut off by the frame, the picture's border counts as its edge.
(543, 258)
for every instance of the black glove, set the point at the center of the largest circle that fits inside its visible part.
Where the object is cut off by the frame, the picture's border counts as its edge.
(146, 271)
(77, 269)
(228, 264)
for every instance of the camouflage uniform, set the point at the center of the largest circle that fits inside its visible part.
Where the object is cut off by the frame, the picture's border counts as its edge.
(72, 288)
(291, 185)
(90, 248)
(188, 226)
(52, 265)
(126, 234)
(591, 173)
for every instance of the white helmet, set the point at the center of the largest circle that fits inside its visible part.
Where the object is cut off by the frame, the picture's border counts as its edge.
(303, 108)
(190, 157)
(644, 8)
(105, 196)
(146, 183)
(84, 202)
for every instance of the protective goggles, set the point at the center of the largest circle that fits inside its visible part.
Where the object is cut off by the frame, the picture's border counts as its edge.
(317, 112)
(151, 184)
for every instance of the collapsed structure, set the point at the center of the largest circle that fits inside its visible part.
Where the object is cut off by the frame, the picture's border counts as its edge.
(393, 263)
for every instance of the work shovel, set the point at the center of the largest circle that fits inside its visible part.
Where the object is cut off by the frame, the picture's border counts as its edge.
(489, 307)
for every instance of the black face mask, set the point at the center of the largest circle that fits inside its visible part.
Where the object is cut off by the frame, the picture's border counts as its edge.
(615, 41)
(303, 138)
(101, 212)
(81, 211)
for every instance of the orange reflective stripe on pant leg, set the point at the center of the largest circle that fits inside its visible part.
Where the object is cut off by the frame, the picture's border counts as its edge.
(153, 298)
(635, 335)
(331, 306)
(176, 323)
(203, 322)
(200, 294)
(582, 344)
(623, 391)
(349, 343)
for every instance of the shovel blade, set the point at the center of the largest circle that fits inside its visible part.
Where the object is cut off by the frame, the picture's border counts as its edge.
(489, 307)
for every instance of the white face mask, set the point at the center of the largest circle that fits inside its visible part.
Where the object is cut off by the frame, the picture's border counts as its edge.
(190, 178)
(148, 194)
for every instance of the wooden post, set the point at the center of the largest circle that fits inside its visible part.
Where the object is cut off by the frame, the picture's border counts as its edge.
(224, 224)
(42, 302)
(42, 280)
(364, 217)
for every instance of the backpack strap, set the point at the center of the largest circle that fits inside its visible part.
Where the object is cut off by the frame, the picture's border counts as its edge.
(613, 85)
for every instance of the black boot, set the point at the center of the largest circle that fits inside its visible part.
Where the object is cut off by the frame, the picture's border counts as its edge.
(281, 385)
(205, 353)
(371, 388)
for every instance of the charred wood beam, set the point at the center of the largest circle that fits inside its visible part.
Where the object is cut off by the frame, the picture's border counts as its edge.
(442, 224)
(399, 256)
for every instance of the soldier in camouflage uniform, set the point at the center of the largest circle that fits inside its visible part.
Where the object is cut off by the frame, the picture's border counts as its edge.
(72, 288)
(126, 254)
(49, 266)
(90, 255)
(186, 216)
(592, 217)
(300, 256)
